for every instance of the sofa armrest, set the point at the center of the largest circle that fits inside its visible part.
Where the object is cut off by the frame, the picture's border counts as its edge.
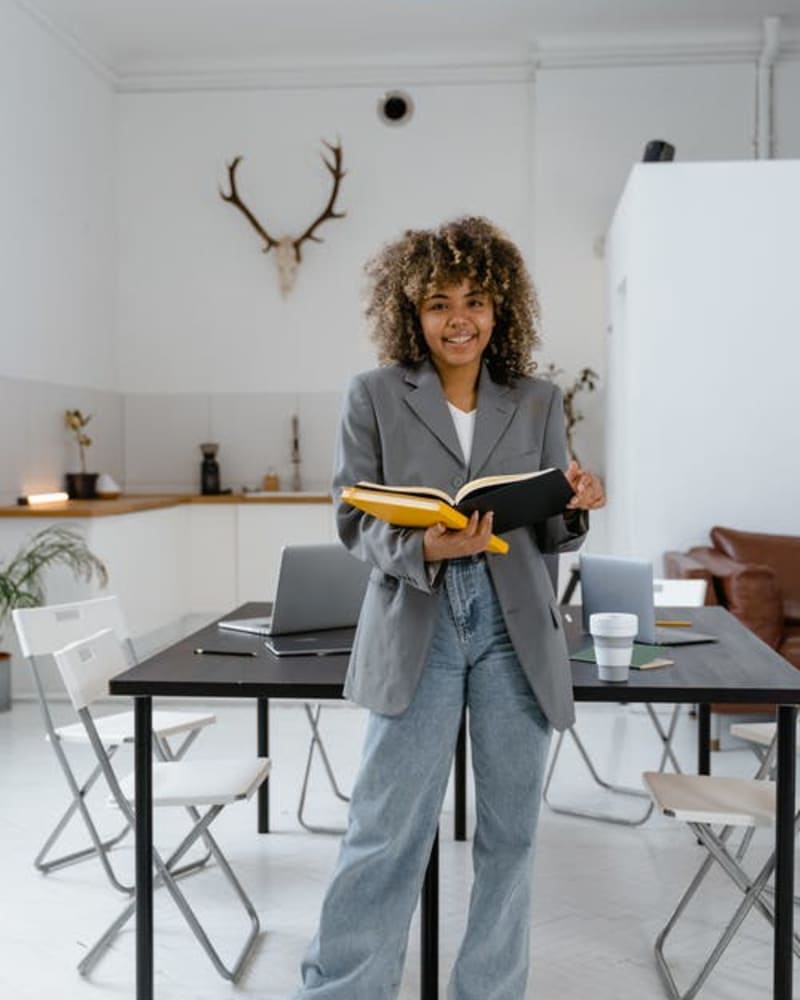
(681, 566)
(780, 552)
(749, 591)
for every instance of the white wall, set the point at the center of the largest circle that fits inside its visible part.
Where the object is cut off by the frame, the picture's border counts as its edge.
(57, 258)
(787, 109)
(58, 249)
(546, 159)
(704, 354)
(200, 309)
(176, 332)
(591, 125)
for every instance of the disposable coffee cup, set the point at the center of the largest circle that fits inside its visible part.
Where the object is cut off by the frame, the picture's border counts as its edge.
(613, 633)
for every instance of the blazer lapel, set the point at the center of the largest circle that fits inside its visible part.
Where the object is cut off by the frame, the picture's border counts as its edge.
(427, 401)
(497, 404)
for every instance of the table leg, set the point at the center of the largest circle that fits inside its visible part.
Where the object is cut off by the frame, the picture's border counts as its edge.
(460, 781)
(429, 927)
(784, 854)
(704, 739)
(262, 710)
(143, 766)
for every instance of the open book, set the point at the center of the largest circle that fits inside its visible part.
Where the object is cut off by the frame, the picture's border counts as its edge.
(516, 500)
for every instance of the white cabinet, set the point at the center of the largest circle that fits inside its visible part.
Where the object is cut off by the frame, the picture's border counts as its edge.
(175, 565)
(234, 549)
(145, 555)
(263, 530)
(211, 580)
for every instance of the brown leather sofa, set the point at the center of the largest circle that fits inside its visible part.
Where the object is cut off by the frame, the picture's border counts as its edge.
(757, 578)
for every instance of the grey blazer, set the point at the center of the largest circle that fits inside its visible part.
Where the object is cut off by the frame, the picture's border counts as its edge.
(396, 429)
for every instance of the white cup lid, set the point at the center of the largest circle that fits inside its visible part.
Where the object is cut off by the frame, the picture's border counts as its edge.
(613, 623)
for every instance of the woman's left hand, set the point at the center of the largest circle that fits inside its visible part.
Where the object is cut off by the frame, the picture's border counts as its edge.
(589, 491)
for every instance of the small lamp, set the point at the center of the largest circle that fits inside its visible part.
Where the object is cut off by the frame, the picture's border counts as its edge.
(35, 499)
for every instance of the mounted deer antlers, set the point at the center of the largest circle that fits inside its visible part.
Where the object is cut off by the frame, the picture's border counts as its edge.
(287, 248)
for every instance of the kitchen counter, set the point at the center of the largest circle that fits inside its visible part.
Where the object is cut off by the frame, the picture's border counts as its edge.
(132, 503)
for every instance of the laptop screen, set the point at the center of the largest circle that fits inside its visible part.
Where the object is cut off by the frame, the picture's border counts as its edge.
(318, 587)
(613, 583)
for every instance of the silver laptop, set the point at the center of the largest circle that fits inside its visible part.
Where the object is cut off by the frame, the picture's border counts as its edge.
(318, 593)
(612, 583)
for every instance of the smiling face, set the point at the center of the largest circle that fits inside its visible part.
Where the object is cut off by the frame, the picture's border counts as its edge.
(457, 323)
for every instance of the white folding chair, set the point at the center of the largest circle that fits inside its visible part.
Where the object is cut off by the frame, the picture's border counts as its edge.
(666, 593)
(41, 631)
(703, 802)
(86, 667)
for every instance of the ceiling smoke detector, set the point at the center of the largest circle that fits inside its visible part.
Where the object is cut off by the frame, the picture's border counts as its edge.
(395, 108)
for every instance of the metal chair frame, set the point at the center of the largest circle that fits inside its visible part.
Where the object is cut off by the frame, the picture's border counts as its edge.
(667, 754)
(752, 886)
(104, 609)
(313, 712)
(105, 648)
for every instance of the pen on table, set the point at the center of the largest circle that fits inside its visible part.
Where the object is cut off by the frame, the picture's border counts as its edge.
(226, 652)
(674, 623)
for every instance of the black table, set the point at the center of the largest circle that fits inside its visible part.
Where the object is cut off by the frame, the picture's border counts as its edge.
(738, 668)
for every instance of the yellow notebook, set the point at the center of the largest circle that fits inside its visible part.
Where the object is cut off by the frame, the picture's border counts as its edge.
(407, 511)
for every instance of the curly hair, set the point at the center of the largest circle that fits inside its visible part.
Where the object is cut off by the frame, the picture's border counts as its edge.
(407, 270)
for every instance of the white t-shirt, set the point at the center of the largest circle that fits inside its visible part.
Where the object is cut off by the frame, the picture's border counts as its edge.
(465, 429)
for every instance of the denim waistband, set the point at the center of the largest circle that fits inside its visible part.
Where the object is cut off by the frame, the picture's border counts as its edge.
(467, 560)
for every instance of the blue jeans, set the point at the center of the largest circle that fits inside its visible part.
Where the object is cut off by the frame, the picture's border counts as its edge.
(359, 949)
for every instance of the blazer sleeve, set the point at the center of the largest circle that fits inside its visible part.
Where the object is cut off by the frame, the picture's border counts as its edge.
(395, 551)
(565, 532)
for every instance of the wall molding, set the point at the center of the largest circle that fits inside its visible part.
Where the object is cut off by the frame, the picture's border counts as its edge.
(299, 77)
(665, 50)
(501, 67)
(586, 54)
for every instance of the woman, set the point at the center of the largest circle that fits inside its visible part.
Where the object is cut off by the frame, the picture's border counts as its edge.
(445, 624)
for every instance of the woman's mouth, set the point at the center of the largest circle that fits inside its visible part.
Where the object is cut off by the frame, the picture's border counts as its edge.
(457, 340)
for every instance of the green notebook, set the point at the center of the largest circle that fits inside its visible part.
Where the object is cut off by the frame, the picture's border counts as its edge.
(644, 657)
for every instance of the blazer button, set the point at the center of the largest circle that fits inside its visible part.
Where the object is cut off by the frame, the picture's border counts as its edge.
(457, 481)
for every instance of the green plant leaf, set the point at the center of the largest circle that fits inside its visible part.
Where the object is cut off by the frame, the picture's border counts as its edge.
(22, 578)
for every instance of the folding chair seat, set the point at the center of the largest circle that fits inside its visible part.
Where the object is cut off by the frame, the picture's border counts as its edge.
(763, 740)
(86, 667)
(666, 593)
(704, 802)
(41, 631)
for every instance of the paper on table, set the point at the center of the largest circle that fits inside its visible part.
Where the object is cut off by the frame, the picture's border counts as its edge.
(644, 657)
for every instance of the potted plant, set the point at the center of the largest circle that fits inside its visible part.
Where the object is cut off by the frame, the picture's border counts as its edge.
(80, 485)
(586, 380)
(22, 578)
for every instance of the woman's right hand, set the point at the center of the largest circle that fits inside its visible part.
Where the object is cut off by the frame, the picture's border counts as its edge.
(440, 542)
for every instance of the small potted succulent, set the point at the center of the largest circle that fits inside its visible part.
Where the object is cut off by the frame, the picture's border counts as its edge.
(80, 485)
(22, 578)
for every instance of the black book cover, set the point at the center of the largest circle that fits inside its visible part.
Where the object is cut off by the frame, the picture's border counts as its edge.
(520, 503)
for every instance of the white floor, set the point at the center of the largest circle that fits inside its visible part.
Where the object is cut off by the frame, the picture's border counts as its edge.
(601, 891)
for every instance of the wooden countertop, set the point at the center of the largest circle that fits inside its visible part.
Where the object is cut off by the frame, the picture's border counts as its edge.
(132, 503)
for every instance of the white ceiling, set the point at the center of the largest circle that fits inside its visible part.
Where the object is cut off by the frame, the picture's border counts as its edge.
(140, 36)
